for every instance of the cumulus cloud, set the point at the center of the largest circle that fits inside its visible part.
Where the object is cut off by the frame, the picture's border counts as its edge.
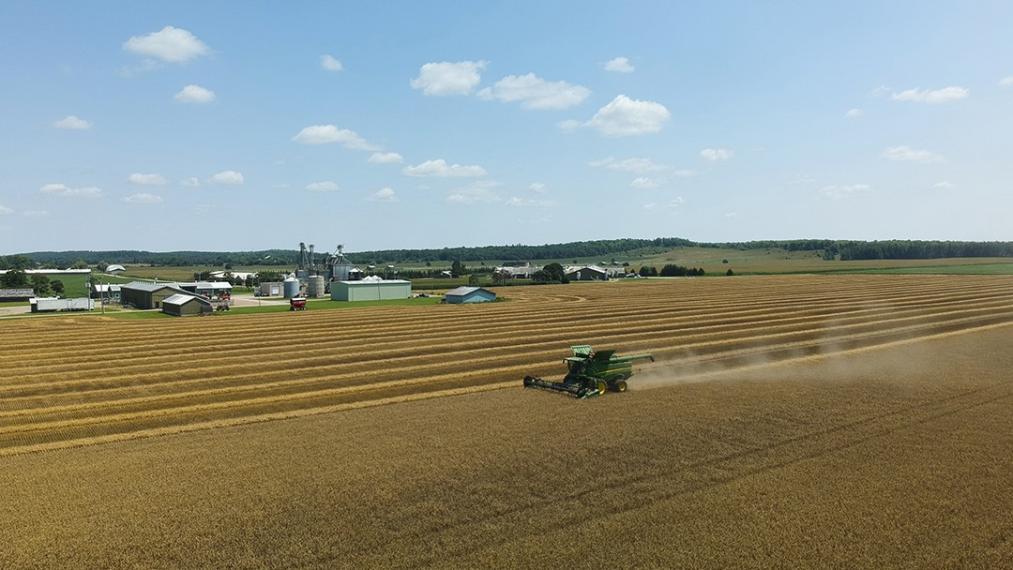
(385, 194)
(944, 185)
(385, 158)
(623, 117)
(330, 63)
(1006, 81)
(672, 204)
(853, 114)
(441, 169)
(643, 183)
(446, 78)
(146, 179)
(171, 45)
(5, 211)
(838, 192)
(326, 134)
(191, 182)
(619, 65)
(143, 198)
(569, 125)
(68, 192)
(35, 213)
(72, 123)
(521, 202)
(322, 186)
(228, 178)
(195, 94)
(635, 164)
(537, 187)
(716, 154)
(478, 192)
(944, 95)
(533, 92)
(906, 153)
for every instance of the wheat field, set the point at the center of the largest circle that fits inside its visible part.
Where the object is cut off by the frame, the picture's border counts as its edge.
(71, 382)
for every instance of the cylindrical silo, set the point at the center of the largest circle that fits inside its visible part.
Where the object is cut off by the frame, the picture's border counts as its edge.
(290, 287)
(315, 286)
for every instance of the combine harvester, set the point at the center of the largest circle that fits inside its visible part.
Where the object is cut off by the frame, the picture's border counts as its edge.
(591, 373)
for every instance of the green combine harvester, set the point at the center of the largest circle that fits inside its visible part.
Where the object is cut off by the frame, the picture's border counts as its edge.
(591, 373)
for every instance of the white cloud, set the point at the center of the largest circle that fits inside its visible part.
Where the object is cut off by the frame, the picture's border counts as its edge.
(1006, 81)
(635, 165)
(385, 194)
(716, 154)
(838, 192)
(944, 185)
(35, 213)
(386, 158)
(146, 179)
(73, 123)
(944, 95)
(330, 63)
(569, 125)
(643, 183)
(619, 65)
(195, 94)
(143, 198)
(172, 45)
(906, 153)
(440, 168)
(533, 92)
(478, 192)
(731, 214)
(881, 91)
(650, 205)
(191, 182)
(326, 134)
(537, 187)
(5, 211)
(446, 78)
(322, 186)
(228, 177)
(673, 203)
(628, 117)
(519, 202)
(853, 114)
(66, 191)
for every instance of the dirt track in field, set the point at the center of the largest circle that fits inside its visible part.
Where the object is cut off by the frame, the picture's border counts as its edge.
(71, 382)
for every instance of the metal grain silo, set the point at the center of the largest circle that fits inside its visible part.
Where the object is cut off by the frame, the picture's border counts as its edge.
(290, 287)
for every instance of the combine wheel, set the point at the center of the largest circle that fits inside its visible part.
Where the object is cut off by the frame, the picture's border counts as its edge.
(620, 386)
(602, 387)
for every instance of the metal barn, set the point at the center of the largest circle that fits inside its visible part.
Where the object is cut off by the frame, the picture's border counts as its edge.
(463, 295)
(371, 290)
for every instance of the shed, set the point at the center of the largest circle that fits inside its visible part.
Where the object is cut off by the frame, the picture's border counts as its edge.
(182, 305)
(107, 291)
(20, 294)
(469, 295)
(46, 304)
(145, 295)
(115, 268)
(587, 273)
(371, 290)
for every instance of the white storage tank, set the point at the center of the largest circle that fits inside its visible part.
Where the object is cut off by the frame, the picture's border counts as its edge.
(315, 286)
(290, 287)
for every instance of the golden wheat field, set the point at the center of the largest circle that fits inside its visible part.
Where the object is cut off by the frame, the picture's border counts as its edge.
(845, 421)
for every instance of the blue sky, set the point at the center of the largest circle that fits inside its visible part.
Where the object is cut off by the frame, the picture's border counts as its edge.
(240, 126)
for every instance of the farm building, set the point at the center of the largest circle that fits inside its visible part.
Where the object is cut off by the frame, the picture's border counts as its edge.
(145, 295)
(371, 290)
(207, 288)
(47, 304)
(586, 273)
(516, 272)
(21, 294)
(269, 289)
(183, 305)
(108, 291)
(469, 295)
(115, 269)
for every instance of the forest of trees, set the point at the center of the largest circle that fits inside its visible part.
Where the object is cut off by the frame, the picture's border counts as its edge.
(829, 249)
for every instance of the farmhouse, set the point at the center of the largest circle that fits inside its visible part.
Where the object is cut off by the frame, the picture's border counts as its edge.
(182, 305)
(468, 295)
(107, 291)
(145, 295)
(371, 290)
(586, 273)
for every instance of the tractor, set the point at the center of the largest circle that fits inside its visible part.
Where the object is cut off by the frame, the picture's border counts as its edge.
(591, 373)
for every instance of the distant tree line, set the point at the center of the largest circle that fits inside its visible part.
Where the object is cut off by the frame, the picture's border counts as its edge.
(604, 249)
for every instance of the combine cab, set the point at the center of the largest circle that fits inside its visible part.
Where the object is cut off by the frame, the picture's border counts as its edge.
(591, 373)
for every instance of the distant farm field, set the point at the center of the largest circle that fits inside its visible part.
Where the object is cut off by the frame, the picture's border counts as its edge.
(783, 414)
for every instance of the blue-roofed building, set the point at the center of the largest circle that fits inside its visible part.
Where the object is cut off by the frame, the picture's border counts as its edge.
(462, 295)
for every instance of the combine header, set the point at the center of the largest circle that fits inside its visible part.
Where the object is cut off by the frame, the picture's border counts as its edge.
(591, 373)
